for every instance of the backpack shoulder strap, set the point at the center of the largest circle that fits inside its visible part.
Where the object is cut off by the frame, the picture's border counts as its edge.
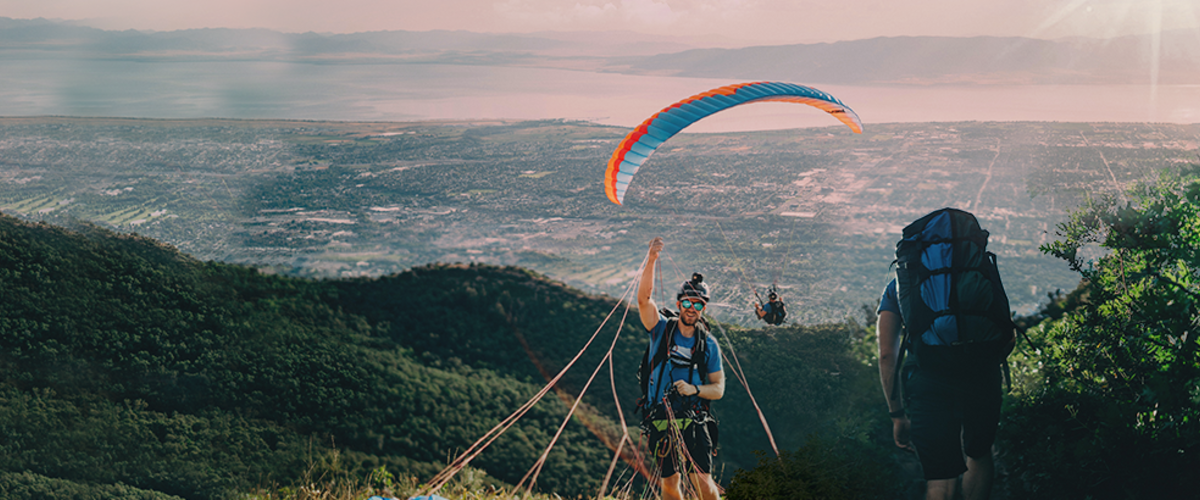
(899, 369)
(700, 354)
(664, 349)
(701, 347)
(664, 346)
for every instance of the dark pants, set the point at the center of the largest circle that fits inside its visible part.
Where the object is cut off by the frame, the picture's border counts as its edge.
(669, 455)
(952, 414)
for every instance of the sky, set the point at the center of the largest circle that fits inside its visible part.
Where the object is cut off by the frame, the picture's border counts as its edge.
(717, 22)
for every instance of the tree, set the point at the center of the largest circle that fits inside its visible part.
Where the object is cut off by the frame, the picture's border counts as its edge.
(1115, 414)
(1135, 339)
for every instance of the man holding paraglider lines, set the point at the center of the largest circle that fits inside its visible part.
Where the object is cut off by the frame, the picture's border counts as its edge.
(687, 393)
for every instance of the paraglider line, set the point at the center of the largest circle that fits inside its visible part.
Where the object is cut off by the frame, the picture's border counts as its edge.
(741, 376)
(536, 470)
(787, 253)
(475, 449)
(737, 263)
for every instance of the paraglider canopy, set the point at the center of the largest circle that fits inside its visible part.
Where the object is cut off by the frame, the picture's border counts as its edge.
(639, 144)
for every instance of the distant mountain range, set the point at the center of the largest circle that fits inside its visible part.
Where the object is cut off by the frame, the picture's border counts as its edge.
(1171, 58)
(66, 38)
(945, 60)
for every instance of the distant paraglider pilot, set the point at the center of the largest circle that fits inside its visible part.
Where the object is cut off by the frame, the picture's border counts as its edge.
(773, 312)
(680, 375)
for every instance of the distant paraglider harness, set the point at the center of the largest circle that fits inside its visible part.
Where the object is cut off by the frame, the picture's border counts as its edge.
(774, 309)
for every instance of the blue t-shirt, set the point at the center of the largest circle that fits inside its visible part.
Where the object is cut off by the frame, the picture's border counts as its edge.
(890, 300)
(678, 361)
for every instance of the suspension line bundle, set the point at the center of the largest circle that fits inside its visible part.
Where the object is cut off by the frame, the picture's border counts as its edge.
(637, 461)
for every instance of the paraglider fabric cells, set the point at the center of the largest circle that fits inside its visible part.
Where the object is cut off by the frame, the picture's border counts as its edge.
(639, 144)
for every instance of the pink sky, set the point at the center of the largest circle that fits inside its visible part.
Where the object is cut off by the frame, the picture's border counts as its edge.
(723, 22)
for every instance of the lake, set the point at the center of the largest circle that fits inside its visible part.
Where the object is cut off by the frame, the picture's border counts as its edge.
(413, 92)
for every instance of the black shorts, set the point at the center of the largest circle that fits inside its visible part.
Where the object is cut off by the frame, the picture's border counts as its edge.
(668, 455)
(952, 416)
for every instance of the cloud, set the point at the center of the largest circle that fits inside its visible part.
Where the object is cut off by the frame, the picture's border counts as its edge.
(649, 11)
(589, 12)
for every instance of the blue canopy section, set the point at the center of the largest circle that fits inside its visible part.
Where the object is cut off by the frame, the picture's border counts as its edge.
(642, 141)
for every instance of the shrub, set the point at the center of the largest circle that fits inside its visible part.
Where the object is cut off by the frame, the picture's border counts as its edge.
(824, 468)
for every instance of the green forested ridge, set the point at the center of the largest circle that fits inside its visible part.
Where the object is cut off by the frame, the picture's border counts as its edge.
(29, 486)
(126, 362)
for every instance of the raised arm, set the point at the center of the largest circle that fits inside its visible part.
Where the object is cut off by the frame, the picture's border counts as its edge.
(647, 309)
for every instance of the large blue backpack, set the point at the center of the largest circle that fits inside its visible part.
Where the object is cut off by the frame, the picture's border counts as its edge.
(956, 314)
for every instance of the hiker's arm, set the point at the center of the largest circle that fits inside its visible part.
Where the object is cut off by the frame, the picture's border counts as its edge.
(713, 390)
(647, 309)
(887, 328)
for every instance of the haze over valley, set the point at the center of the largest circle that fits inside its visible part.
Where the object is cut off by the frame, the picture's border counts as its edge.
(816, 211)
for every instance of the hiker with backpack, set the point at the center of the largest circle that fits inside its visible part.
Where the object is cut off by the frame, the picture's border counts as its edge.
(944, 331)
(681, 374)
(773, 312)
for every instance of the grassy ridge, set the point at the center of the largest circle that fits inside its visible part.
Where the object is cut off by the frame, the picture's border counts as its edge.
(125, 361)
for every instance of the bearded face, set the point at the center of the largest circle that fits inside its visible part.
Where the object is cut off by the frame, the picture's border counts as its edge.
(689, 310)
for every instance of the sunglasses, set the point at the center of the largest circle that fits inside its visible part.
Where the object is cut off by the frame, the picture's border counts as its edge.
(686, 304)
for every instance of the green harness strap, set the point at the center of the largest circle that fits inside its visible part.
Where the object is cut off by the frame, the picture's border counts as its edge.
(661, 425)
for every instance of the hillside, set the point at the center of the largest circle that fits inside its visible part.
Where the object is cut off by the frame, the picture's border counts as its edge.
(126, 362)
